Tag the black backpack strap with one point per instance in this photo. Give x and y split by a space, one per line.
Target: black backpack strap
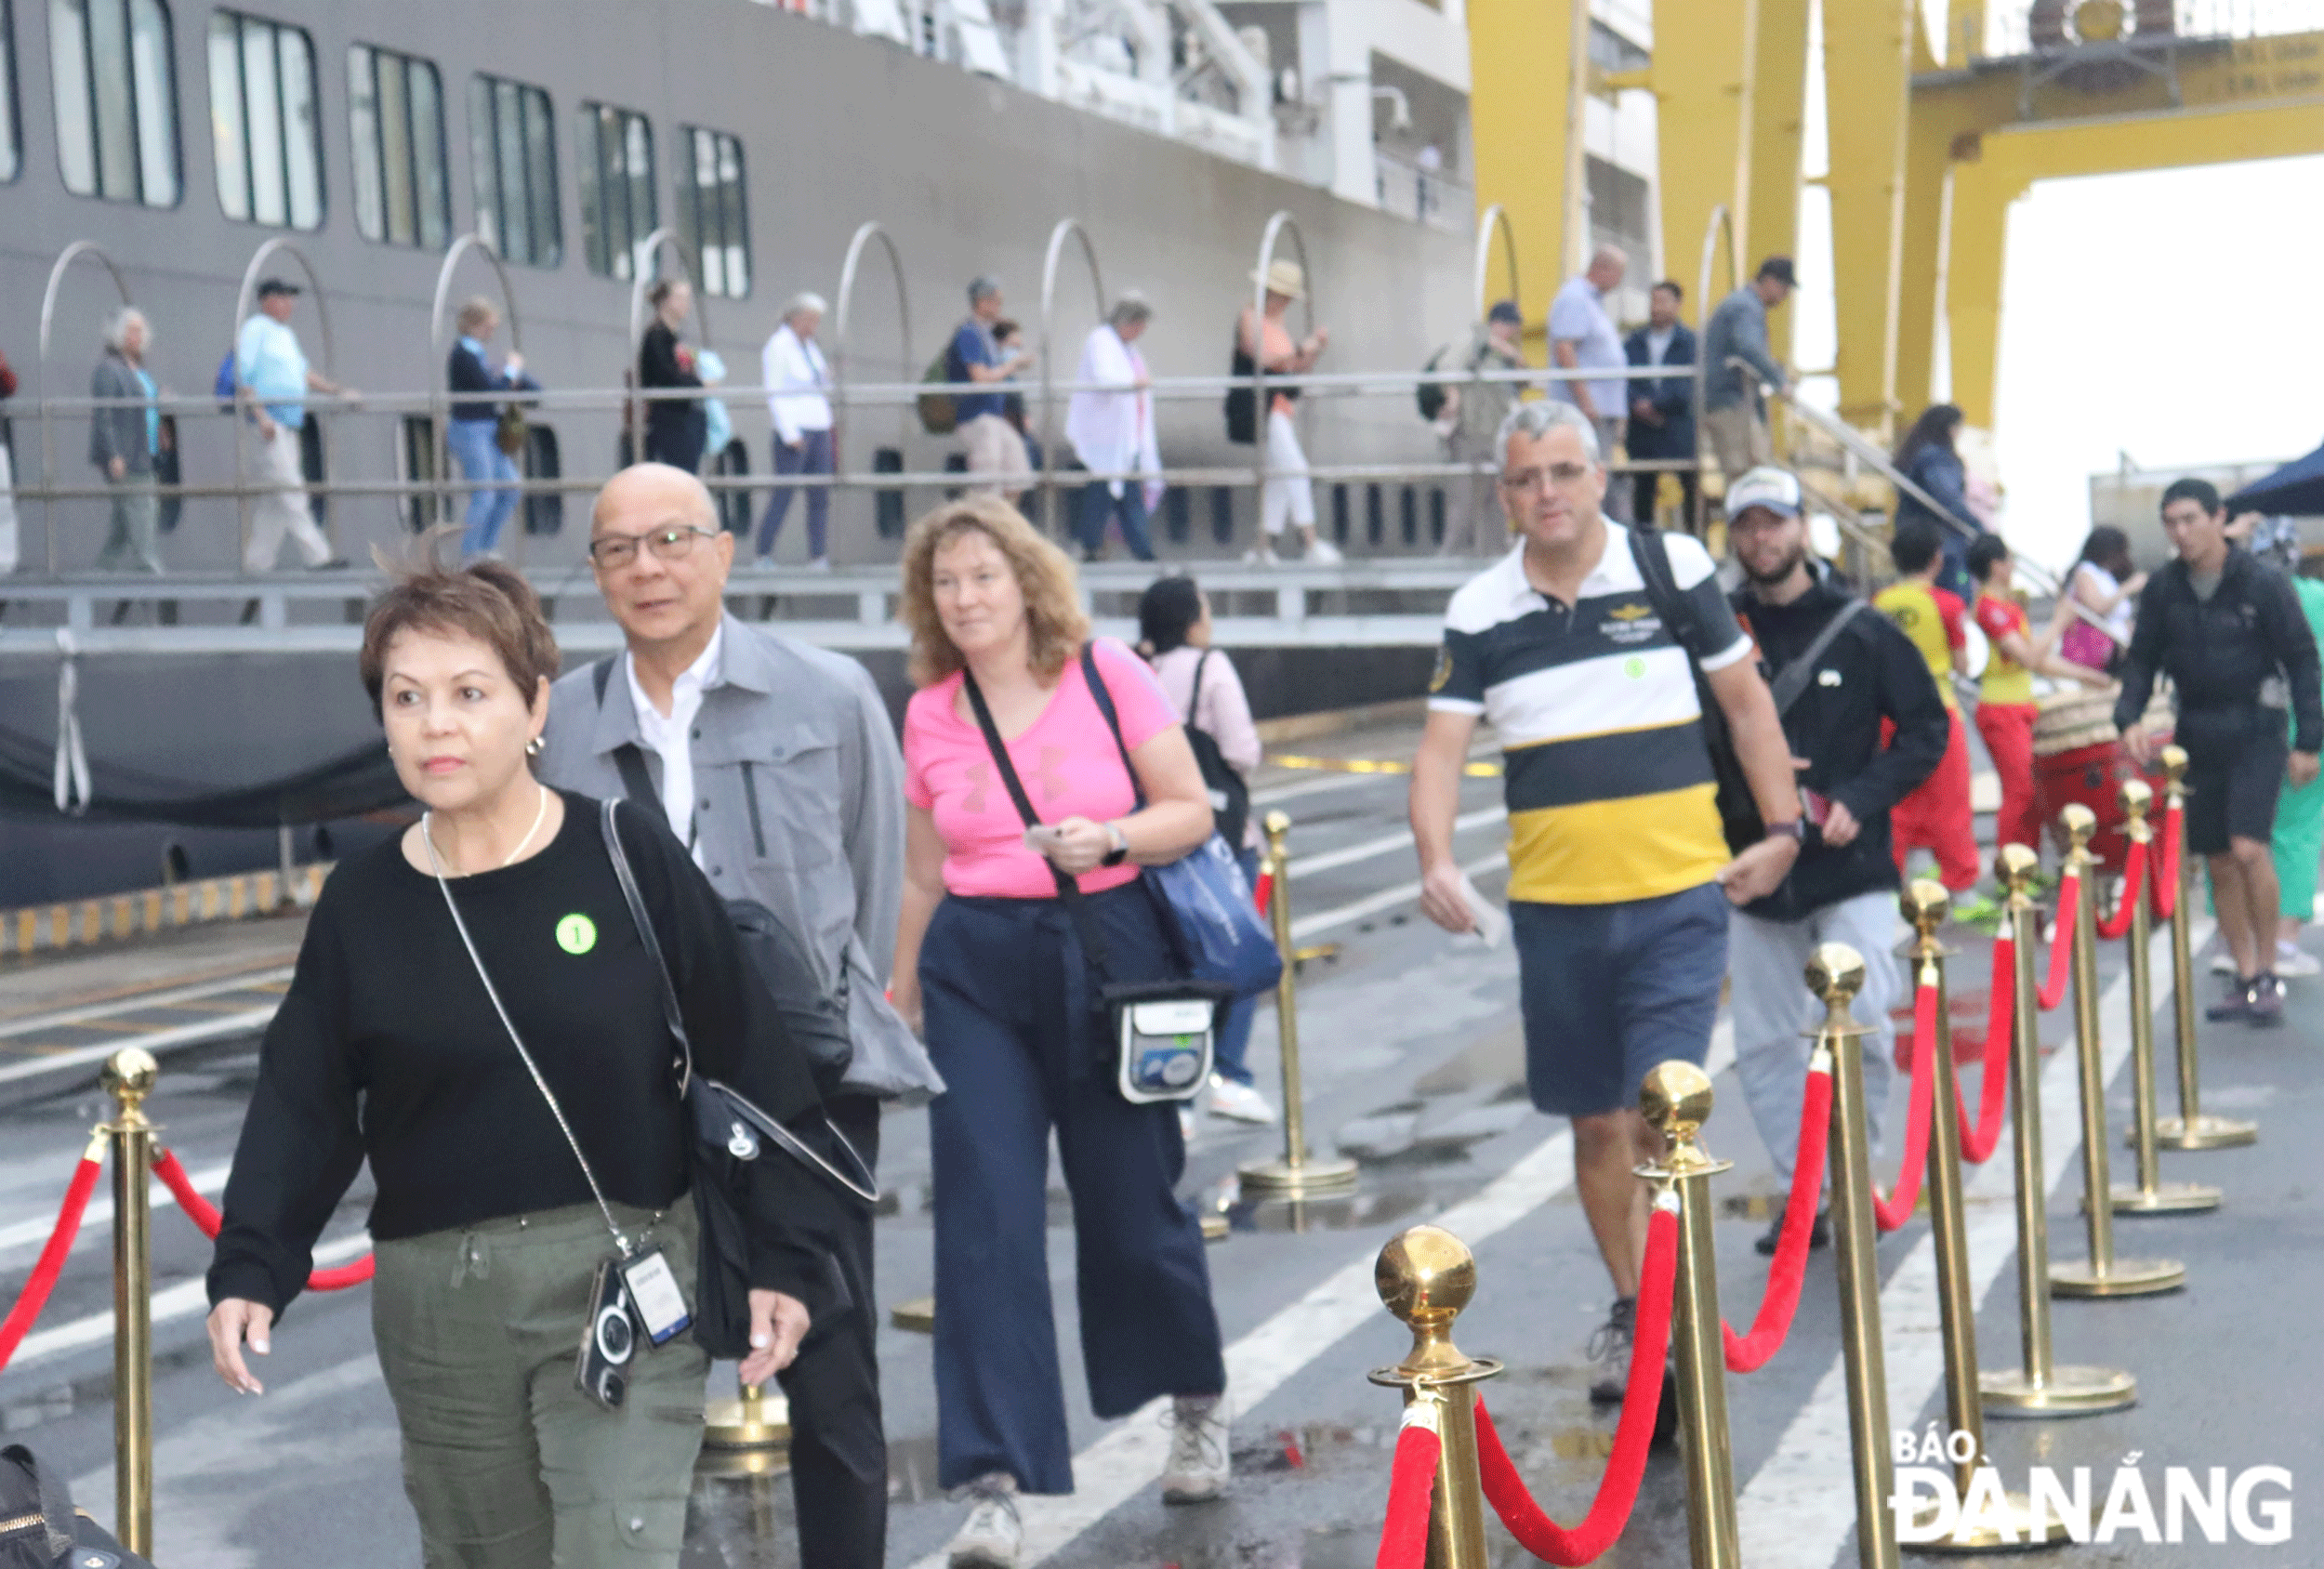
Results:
637 782
1068 889
1652 553
1790 682
1194 700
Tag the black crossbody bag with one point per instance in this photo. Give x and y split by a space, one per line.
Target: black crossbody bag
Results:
1164 1032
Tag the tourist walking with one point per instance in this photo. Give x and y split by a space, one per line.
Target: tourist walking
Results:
798 380
1662 411
485 422
1470 421
989 959
125 438
981 419
272 380
675 429
1110 425
1286 499
1734 410
1582 336
1929 455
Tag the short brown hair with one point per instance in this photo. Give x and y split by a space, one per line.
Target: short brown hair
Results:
484 600
1054 622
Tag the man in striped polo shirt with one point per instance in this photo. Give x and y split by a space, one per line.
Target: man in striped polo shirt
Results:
1620 875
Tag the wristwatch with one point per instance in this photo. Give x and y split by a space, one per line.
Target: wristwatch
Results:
1795 830
1120 852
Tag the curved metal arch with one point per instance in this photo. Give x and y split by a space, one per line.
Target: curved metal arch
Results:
850 267
1050 260
65 258
1276 224
650 252
1496 219
439 396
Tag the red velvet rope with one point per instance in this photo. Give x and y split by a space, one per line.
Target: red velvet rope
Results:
2134 890
1262 892
1618 1490
2061 947
2167 865
1747 1354
1894 1210
207 1220
1980 1137
35 1293
1404 1534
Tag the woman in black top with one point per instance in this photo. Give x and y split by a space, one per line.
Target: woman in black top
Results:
675 428
488 1229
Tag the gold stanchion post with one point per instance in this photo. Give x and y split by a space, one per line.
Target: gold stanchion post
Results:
1926 904
2193 1128
1835 974
2150 1195
1676 1101
1426 1276
749 1435
128 1078
2040 1388
1296 1175
2102 1275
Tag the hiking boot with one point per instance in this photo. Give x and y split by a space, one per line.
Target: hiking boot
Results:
1609 1353
1200 1462
1818 1234
993 1535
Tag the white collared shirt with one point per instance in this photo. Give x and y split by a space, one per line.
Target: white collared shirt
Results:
795 377
668 736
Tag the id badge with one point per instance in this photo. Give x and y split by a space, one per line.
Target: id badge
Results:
654 1293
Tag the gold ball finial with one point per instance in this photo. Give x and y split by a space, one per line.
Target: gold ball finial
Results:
1675 1100
129 1075
1276 824
2015 867
1425 1276
2136 797
1925 903
2174 760
2079 823
1835 974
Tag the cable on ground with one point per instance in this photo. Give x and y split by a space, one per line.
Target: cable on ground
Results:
1618 1490
2134 890
1404 1534
207 1220
1747 1354
34 1296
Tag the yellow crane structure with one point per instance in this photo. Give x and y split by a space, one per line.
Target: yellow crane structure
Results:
1930 140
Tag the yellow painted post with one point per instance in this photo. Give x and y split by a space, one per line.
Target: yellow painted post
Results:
1778 116
1982 190
1704 63
1868 96
1520 66
1928 169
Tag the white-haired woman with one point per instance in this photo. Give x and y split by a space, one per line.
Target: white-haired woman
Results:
799 401
473 432
123 437
1109 423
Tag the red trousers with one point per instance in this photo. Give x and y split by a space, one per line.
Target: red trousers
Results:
1936 815
2007 728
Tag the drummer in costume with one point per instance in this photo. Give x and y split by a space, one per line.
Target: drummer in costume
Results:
2006 710
1936 814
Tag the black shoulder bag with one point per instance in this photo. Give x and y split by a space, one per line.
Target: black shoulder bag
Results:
41 1529
1230 795
1164 1031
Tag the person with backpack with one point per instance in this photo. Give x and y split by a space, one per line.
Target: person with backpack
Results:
1174 634
270 380
981 419
1842 677
1602 657
1468 415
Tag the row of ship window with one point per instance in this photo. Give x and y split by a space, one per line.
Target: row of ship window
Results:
114 90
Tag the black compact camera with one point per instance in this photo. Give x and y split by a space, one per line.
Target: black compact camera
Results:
609 1340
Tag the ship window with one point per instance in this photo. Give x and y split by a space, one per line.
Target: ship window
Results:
395 120
712 220
617 206
264 119
116 100
513 149
11 157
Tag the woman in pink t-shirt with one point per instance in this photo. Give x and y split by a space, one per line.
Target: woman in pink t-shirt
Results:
989 964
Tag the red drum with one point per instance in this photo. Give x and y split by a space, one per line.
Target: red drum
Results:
2079 756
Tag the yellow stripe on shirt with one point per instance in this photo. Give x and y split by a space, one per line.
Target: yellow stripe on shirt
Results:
1609 852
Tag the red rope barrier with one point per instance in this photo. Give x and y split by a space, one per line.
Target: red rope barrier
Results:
1981 1135
1618 1490
207 1220
1404 1534
1894 1210
52 1255
2134 890
1262 892
1747 1354
2062 945
2167 863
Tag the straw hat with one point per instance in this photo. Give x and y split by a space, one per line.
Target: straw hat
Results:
1287 278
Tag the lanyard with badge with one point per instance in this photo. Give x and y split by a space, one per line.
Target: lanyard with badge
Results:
637 1285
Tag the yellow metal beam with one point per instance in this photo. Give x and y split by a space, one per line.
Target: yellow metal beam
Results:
1867 93
1703 69
1928 166
1778 118
1975 250
1521 66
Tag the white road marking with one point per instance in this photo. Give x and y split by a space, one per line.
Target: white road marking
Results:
1386 899
1365 849
225 1027
26 1233
1131 1454
1800 1508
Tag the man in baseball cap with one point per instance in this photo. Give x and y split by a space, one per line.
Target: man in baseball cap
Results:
1839 671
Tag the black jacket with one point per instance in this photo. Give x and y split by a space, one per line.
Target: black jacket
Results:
1672 396
2220 654
1870 672
467 372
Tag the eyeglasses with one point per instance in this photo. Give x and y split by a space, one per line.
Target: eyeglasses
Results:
1559 474
613 551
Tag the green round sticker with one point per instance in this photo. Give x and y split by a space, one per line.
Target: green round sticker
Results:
1633 667
577 934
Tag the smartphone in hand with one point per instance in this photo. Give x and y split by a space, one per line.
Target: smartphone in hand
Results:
1043 837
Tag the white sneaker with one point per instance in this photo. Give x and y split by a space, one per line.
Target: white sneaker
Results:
2223 963
1230 1099
1200 1462
1262 556
1323 553
992 1537
821 564
1185 1122
2290 959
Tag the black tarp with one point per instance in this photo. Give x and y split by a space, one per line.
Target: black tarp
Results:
348 786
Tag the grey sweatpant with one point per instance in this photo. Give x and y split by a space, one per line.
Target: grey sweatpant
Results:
1767 989
508 1464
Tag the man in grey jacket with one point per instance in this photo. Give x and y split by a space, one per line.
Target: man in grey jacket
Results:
123 440
1735 416
775 763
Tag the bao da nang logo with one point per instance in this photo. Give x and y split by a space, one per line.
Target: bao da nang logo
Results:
2166 1504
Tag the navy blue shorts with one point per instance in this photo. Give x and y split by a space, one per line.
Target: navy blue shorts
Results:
1610 990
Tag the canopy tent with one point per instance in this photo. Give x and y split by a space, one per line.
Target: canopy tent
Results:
2296 490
